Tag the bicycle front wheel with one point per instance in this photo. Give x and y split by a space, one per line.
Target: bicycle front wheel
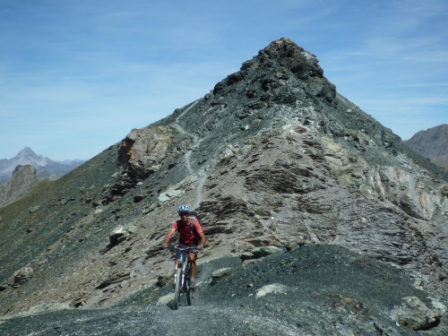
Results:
190 296
177 288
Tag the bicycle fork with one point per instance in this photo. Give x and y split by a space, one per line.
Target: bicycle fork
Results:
184 275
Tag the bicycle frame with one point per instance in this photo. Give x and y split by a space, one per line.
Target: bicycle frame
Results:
182 275
184 264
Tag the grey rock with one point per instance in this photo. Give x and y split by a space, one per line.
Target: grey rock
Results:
138 198
264 251
33 209
247 256
415 315
23 275
444 191
219 273
66 200
261 252
114 279
272 288
120 233
46 307
169 195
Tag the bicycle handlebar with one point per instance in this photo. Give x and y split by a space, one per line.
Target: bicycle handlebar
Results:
183 249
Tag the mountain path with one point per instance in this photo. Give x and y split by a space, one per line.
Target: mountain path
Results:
202 176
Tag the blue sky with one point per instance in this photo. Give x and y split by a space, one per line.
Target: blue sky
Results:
77 75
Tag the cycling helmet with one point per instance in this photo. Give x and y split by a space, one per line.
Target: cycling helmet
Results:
183 208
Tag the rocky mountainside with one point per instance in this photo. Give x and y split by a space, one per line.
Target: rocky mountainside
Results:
319 221
432 144
46 167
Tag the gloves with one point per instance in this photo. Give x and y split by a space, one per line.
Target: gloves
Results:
164 245
200 247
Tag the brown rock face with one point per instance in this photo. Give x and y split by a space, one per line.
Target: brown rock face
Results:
143 149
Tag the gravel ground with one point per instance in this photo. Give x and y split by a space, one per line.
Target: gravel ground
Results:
321 290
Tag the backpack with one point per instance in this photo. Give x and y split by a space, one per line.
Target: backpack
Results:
193 214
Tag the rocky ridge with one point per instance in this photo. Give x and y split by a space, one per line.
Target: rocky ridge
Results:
432 144
273 156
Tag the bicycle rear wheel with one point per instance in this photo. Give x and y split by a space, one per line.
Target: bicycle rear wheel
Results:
177 288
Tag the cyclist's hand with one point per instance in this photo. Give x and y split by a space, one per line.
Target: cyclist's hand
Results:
165 246
200 247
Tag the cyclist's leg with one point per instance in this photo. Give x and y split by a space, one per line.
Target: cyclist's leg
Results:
192 258
177 257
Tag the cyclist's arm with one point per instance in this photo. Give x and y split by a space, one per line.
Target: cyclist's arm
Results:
168 236
202 238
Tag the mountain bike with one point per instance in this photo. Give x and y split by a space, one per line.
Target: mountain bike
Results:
182 275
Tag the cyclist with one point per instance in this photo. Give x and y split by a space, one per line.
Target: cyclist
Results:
190 235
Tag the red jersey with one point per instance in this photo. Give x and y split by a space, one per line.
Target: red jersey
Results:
187 232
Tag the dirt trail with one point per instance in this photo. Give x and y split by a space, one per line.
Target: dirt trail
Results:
202 176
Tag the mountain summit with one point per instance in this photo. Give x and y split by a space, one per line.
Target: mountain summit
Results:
24 157
318 219
28 154
46 167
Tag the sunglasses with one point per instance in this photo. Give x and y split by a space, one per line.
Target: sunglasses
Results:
184 214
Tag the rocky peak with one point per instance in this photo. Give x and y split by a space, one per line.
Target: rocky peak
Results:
46 167
274 144
279 74
24 157
273 159
27 153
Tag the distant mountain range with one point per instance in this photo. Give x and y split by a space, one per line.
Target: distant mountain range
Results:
46 167
432 144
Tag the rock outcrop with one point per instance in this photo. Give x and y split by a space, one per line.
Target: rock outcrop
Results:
23 179
281 168
143 149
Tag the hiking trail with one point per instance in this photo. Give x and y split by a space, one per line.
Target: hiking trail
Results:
202 176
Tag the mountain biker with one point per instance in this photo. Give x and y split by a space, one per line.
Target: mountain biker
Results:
190 231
